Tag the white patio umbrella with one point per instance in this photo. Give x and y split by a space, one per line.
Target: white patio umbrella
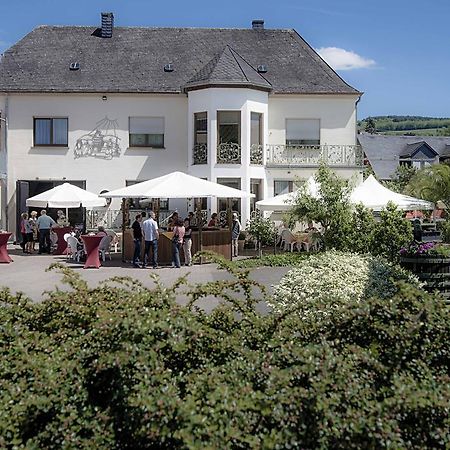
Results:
66 196
372 194
177 185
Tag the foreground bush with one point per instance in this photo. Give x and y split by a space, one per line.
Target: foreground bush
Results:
328 281
125 367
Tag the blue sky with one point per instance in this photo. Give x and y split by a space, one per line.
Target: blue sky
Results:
396 51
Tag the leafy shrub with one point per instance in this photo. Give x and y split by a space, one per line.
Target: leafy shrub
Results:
391 233
326 282
362 230
262 229
122 366
330 207
445 231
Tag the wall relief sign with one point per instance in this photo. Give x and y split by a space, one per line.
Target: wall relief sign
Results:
101 142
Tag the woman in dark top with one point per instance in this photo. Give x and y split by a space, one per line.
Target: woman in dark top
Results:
137 237
187 244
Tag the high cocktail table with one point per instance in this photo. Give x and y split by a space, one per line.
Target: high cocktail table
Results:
91 244
4 257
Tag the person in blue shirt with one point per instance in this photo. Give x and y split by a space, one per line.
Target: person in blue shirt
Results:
44 224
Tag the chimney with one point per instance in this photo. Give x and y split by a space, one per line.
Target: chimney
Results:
258 24
107 24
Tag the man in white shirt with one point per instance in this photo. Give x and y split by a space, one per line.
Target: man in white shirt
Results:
151 236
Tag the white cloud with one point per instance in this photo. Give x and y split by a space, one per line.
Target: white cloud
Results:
340 59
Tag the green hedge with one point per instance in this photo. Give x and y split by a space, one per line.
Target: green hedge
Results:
125 367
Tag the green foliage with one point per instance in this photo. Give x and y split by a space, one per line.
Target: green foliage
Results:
407 125
431 183
330 208
391 233
402 177
125 367
262 229
280 260
445 231
370 125
327 282
362 230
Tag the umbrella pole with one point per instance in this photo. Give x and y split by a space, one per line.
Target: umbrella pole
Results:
200 226
124 215
67 215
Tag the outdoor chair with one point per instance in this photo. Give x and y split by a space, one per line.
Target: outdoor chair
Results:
74 248
288 240
104 247
115 240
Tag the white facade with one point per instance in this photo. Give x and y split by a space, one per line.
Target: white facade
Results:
27 162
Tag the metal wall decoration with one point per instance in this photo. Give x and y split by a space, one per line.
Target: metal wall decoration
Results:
101 142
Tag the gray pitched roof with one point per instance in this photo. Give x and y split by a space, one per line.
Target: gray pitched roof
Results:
411 148
228 68
384 152
133 60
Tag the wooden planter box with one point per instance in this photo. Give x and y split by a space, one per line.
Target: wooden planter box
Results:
433 270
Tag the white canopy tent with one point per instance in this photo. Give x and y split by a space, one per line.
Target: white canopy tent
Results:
177 185
66 196
372 194
283 202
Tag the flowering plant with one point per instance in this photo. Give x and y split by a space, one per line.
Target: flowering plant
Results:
418 248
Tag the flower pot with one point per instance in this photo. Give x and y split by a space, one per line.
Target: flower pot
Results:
433 270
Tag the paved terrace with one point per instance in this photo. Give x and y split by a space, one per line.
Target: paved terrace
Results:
27 274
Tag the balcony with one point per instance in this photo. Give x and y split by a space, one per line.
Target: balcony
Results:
313 155
256 154
200 152
228 153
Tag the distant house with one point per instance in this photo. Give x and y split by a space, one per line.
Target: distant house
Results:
385 153
105 107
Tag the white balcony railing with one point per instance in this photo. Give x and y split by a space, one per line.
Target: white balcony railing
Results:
313 155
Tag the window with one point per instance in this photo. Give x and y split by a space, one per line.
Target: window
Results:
302 132
283 187
229 127
51 132
147 132
256 129
200 128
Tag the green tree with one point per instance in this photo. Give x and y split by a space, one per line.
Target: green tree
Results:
262 229
431 183
370 126
330 207
362 230
402 176
391 233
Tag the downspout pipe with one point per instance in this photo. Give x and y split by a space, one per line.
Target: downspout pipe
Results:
4 175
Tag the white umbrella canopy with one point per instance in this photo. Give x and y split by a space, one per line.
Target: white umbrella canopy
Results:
284 202
374 195
66 196
177 185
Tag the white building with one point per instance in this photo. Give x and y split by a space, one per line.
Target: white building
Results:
106 107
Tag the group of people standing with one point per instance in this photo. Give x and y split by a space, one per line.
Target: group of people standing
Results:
147 230
36 229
